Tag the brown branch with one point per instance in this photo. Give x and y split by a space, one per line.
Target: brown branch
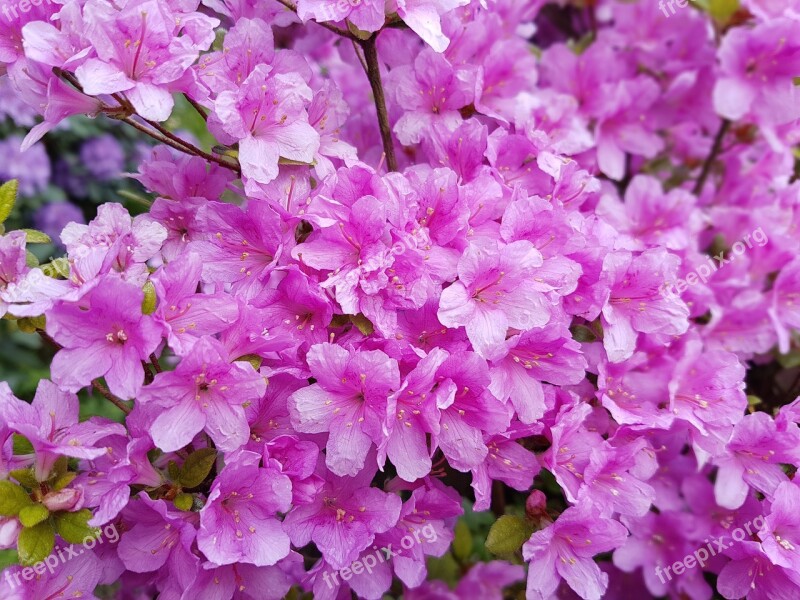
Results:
166 137
125 113
200 110
712 155
360 57
103 391
156 364
374 74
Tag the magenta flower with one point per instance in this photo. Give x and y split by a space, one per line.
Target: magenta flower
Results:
637 304
547 354
50 424
238 523
348 400
754 456
430 91
757 67
267 115
184 314
344 517
143 50
206 392
157 535
104 334
495 291
564 550
243 247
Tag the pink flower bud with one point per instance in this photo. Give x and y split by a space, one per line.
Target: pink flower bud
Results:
66 499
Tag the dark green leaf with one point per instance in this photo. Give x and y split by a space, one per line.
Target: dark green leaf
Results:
508 534
197 467
32 515
12 499
72 526
35 543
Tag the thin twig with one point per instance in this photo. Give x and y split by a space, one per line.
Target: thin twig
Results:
156 364
103 391
360 57
181 145
125 111
374 74
715 148
201 111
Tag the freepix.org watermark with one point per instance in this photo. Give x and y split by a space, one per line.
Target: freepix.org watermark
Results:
12 10
368 562
715 263
61 555
712 548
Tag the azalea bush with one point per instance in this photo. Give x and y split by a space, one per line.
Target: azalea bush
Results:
430 299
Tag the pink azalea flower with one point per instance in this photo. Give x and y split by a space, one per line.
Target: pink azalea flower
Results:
348 400
344 518
238 523
565 550
637 303
103 334
205 392
142 50
494 291
50 424
267 116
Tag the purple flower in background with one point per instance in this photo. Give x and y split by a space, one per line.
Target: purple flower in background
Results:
103 157
13 107
69 179
31 168
51 218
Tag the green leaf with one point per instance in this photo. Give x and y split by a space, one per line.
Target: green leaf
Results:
33 236
72 526
508 534
31 324
31 260
360 34
149 302
444 568
59 467
196 467
790 359
364 325
8 196
35 543
183 502
56 268
32 515
796 80
173 470
581 333
64 480
12 499
22 445
8 557
253 359
25 477
723 10
462 542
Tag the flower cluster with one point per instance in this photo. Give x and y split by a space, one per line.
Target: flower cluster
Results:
423 261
